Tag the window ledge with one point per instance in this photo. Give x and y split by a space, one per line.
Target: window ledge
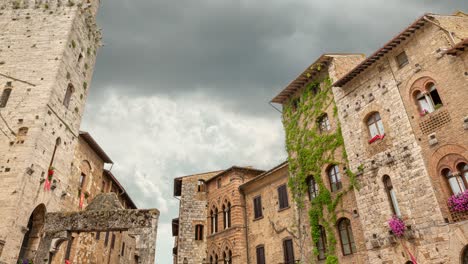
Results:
258 218
283 209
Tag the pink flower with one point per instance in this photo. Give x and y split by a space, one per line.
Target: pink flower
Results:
459 202
397 226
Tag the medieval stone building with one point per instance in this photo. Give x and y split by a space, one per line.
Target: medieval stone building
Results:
369 140
47 56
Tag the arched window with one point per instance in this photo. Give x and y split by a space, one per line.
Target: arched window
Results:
323 123
465 255
5 96
312 187
429 100
463 169
391 195
455 181
68 95
346 237
227 215
375 125
211 259
322 244
335 178
216 259
58 141
199 232
214 220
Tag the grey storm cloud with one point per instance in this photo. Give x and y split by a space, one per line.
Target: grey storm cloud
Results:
182 87
239 50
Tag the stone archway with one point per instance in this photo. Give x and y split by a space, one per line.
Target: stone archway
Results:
33 235
104 213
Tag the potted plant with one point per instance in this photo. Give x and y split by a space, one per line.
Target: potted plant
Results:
397 226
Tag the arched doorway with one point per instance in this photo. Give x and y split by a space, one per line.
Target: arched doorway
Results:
33 235
464 257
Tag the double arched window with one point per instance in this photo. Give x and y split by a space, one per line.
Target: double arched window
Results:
391 195
227 257
214 220
457 180
428 100
375 125
335 178
227 215
346 237
214 260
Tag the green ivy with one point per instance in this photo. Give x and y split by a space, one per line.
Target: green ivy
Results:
309 151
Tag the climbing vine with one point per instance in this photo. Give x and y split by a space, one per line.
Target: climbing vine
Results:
309 150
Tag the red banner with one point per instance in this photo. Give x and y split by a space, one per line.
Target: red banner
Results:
81 200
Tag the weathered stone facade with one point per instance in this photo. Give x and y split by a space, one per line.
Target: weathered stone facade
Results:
408 153
47 55
404 153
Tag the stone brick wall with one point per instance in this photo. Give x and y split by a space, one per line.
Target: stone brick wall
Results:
276 225
404 154
40 49
233 238
192 211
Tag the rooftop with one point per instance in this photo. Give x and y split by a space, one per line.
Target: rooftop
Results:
95 146
441 21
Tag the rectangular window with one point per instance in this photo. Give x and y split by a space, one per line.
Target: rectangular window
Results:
260 255
283 196
122 253
113 241
5 97
98 235
258 207
199 232
218 182
402 59
288 251
106 240
201 186
103 186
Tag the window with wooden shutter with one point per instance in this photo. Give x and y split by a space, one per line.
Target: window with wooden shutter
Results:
199 232
258 207
288 251
260 255
283 197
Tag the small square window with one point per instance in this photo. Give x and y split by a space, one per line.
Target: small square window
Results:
218 183
402 59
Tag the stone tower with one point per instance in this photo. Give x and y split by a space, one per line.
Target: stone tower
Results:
47 56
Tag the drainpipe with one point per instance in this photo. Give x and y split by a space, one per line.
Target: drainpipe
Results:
449 34
246 224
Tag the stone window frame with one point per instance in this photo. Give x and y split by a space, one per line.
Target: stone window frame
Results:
201 185
312 187
421 87
283 197
262 259
199 232
227 256
453 166
257 205
68 95
398 59
322 250
227 213
375 122
323 123
6 95
336 184
391 195
288 252
214 219
349 236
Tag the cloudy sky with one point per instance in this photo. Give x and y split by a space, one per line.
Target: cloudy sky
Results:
182 87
